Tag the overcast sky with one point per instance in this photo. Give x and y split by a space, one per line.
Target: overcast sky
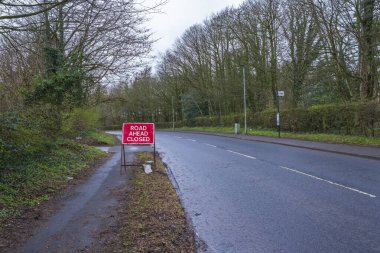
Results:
178 15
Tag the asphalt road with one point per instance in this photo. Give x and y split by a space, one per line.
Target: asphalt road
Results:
245 196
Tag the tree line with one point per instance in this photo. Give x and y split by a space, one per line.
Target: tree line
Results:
57 55
317 51
57 59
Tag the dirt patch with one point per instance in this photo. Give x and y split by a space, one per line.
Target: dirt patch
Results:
15 231
108 238
153 218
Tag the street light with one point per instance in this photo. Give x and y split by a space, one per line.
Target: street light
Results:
173 112
245 102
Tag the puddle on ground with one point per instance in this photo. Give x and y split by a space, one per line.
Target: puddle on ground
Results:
105 149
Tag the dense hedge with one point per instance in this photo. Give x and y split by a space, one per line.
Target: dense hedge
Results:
346 118
353 118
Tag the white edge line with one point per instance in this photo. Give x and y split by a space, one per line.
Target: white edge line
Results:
191 140
330 182
211 145
233 152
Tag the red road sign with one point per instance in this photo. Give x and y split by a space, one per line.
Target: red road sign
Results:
138 133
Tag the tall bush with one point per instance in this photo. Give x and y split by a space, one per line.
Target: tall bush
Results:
19 137
81 119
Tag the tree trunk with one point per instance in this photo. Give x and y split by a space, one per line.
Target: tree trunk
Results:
368 68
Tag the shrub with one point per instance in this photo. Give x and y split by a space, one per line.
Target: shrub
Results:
80 120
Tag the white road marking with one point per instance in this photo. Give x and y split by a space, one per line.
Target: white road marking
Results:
191 140
179 137
211 145
330 182
233 152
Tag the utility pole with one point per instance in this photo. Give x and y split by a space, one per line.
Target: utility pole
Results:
278 116
245 102
173 111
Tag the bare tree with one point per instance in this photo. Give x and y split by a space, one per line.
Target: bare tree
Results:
368 43
98 41
303 43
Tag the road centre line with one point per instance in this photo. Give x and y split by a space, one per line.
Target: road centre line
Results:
211 145
330 182
233 152
191 140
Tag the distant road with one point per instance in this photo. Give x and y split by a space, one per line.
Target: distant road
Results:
245 196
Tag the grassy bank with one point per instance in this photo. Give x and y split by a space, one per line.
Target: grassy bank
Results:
30 180
99 138
330 138
155 220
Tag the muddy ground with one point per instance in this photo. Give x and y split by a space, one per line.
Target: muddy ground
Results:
154 220
97 212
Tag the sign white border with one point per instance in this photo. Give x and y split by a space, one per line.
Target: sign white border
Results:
131 123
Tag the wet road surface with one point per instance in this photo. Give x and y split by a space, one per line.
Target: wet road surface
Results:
245 196
86 212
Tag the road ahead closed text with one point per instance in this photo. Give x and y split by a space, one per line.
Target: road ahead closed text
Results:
138 133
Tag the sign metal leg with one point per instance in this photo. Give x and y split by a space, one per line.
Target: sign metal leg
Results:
131 133
123 162
154 155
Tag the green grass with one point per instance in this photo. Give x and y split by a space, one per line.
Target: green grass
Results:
330 138
28 182
101 137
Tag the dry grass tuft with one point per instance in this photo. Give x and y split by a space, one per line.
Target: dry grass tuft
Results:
155 220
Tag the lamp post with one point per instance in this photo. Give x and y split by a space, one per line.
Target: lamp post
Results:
245 102
173 112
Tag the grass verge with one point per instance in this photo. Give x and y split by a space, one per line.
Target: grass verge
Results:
102 137
98 138
329 138
155 220
31 180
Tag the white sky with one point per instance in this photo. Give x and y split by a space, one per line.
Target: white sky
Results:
178 15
